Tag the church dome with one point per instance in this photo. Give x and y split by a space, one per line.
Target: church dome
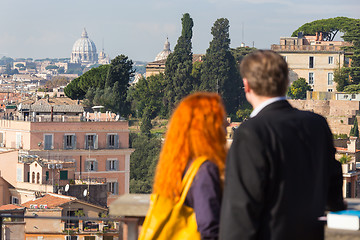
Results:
84 50
164 53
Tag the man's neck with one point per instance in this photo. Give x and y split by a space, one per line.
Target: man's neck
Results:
257 100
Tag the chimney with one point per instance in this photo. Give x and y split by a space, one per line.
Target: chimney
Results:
351 144
321 36
317 36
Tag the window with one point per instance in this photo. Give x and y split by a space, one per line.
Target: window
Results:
330 90
71 237
112 141
113 187
311 78
91 165
64 175
112 165
48 141
330 78
311 62
89 238
14 200
90 141
69 141
331 60
33 177
38 178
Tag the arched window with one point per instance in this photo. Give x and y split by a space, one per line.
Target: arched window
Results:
33 177
38 178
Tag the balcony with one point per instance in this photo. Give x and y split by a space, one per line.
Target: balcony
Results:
81 226
306 48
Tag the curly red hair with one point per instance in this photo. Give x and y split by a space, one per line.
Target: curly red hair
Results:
197 128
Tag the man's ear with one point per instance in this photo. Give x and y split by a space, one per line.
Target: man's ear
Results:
246 85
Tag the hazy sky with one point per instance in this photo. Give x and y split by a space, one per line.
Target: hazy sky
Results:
138 28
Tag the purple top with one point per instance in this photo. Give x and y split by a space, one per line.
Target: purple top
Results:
204 197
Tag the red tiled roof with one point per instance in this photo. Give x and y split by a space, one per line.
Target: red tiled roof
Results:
345 149
10 207
51 200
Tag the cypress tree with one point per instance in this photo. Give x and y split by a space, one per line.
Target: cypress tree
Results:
178 67
219 72
352 35
354 131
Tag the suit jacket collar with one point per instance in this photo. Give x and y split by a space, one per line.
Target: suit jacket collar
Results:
282 104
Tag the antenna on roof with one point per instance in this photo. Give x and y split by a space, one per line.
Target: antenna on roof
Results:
242 36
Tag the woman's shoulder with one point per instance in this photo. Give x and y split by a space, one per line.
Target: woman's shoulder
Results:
208 169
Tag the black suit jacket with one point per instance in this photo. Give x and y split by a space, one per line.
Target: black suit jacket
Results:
280 176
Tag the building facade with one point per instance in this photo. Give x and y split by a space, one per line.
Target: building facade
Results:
76 150
314 59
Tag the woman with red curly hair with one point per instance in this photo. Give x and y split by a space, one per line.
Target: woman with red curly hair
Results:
197 128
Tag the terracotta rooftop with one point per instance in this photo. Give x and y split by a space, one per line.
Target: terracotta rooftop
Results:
344 149
50 200
10 207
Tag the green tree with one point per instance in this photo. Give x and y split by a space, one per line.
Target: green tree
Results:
118 78
178 67
20 65
146 125
61 70
352 34
196 74
354 131
219 72
148 94
298 89
341 77
240 52
94 78
243 114
108 84
143 162
51 67
328 27
354 88
73 91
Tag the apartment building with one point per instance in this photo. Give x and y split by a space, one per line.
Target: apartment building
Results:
314 59
71 147
58 208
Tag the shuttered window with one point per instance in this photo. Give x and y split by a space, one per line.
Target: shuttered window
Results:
48 142
69 141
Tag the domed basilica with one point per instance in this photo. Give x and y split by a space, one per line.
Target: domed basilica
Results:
84 52
165 52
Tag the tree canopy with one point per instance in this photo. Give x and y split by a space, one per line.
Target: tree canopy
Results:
354 131
178 67
143 162
219 72
106 85
298 89
328 27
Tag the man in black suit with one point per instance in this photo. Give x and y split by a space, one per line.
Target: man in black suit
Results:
281 172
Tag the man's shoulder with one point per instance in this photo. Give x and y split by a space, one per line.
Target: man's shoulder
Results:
282 117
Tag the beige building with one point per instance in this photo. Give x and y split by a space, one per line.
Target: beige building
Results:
64 217
314 59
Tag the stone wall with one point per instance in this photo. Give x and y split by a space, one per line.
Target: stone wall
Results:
340 114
